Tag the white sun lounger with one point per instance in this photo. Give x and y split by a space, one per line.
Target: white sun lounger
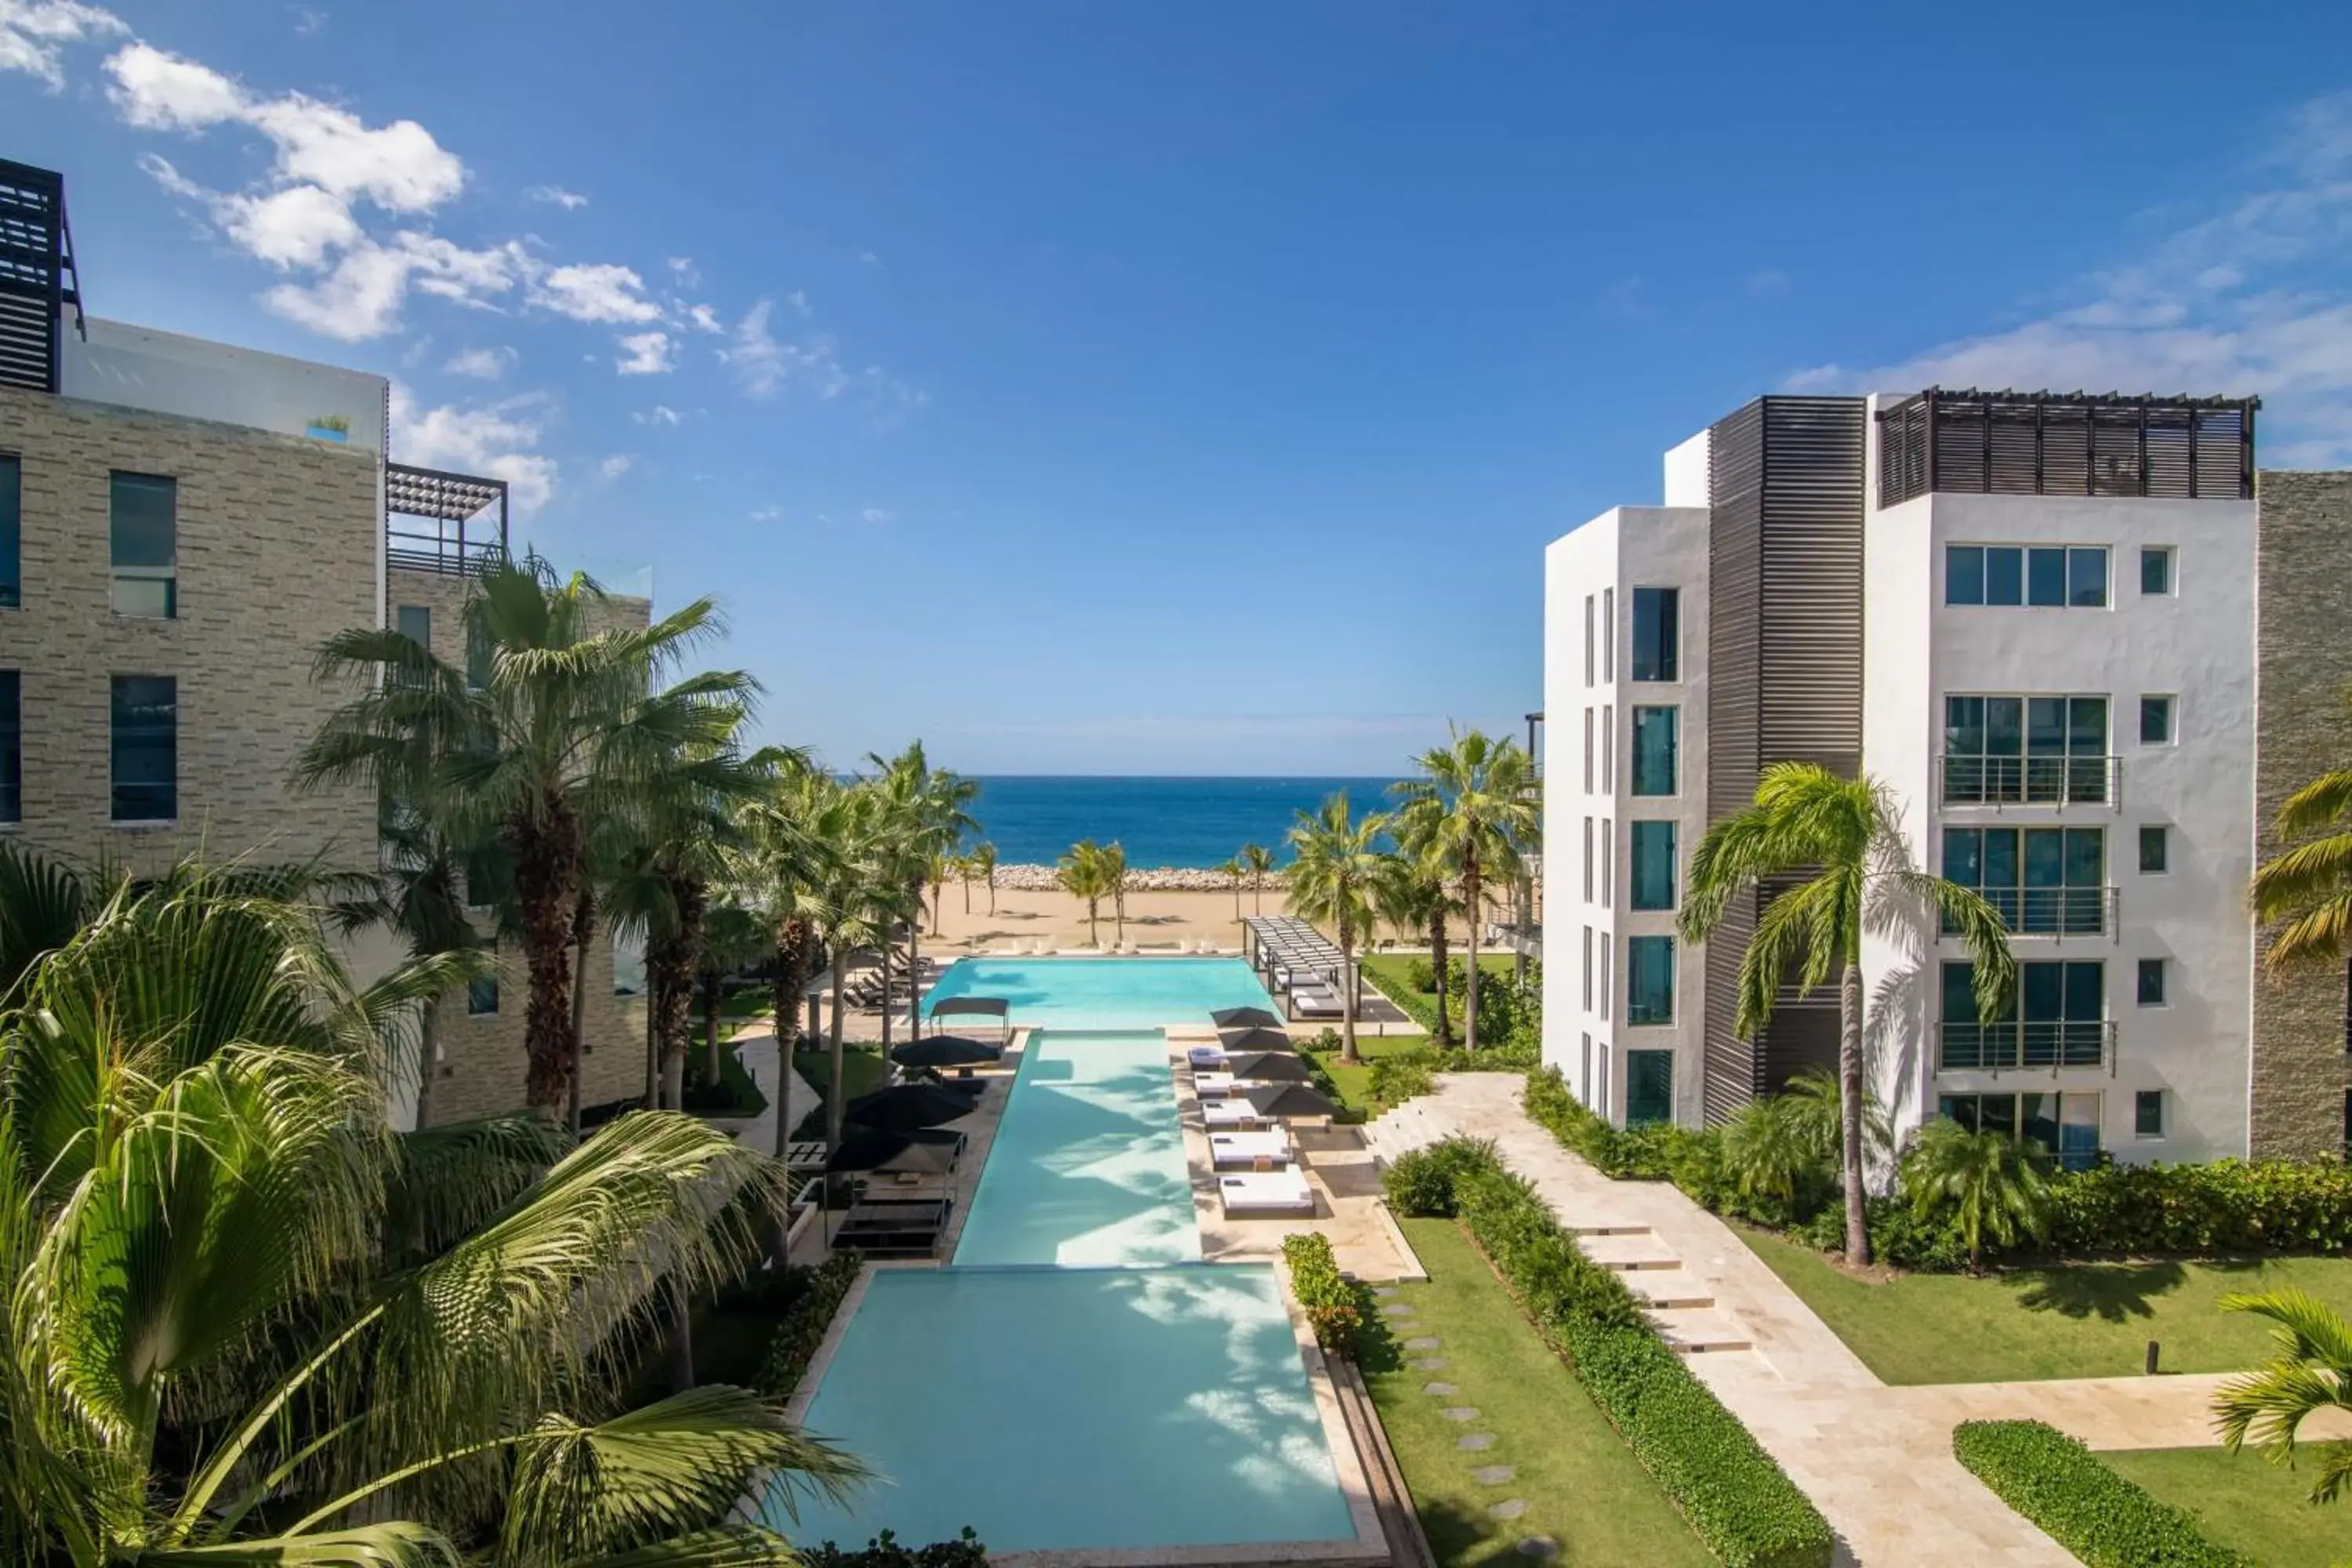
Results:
1241 1150
1212 1085
1265 1192
1230 1115
1211 1058
1315 1004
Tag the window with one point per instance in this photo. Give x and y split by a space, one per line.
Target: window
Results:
2154 850
146 744
1588 860
2147 1114
2046 881
1588 751
1587 969
1656 732
2064 1125
2048 576
2047 751
415 621
1608 748
482 995
1587 641
1608 633
1584 1074
1654 866
2155 569
2151 983
2155 720
143 525
1608 974
1608 861
1649 1087
1657 633
12 532
2058 1019
12 746
1649 980
478 657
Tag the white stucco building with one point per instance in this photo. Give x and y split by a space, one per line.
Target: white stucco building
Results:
2036 620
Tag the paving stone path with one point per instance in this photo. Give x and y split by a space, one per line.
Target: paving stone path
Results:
1510 1508
1543 1548
1493 1474
1422 1342
1439 1389
1476 1443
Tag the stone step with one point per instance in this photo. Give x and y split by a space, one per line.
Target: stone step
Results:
1625 1253
1606 1227
1668 1289
1696 1331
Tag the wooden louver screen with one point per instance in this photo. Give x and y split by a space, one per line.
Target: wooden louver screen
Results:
2010 443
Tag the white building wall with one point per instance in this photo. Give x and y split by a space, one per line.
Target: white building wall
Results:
1580 573
2195 645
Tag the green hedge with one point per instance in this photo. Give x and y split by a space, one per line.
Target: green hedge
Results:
1638 1153
1333 1303
884 1551
800 1329
2088 1508
1745 1510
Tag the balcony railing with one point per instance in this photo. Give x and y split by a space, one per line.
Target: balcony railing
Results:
436 521
2052 912
2030 1045
1502 938
2030 780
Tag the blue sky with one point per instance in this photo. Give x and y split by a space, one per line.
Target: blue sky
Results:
1183 389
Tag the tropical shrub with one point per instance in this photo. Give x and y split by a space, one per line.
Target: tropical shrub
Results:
1403 1075
1748 1511
2099 1516
1333 1303
1420 977
2226 1206
801 1329
884 1551
1989 1185
1637 1153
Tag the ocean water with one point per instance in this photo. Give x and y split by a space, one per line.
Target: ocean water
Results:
1184 822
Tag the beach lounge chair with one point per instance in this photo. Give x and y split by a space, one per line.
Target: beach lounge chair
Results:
1265 1192
1243 1151
1212 1085
1209 1057
1314 1004
1235 1115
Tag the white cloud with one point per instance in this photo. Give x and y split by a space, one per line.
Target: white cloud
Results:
877 515
658 414
762 363
705 319
309 22
33 34
613 467
646 353
301 225
497 439
683 266
556 195
483 364
2251 299
766 513
599 292
799 302
869 257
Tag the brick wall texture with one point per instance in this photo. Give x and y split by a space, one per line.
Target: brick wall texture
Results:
2305 729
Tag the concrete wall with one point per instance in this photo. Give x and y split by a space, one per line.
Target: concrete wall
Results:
2299 1075
277 543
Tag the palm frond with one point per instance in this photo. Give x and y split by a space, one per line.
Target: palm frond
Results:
2325 801
396 1544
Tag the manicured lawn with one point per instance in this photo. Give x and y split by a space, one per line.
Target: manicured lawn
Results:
2246 1502
1582 1486
863 1067
2083 1320
1354 1083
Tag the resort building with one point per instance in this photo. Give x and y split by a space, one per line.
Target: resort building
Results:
2076 638
182 524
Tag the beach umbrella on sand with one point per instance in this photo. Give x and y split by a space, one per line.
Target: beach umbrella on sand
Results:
1288 1099
1246 1019
930 1151
904 1107
1268 1067
945 1051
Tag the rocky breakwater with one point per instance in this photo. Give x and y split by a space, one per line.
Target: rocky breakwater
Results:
1164 880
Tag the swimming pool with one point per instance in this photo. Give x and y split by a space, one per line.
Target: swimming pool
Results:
1105 992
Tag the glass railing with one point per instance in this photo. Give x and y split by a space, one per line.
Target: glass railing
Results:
2014 1044
2030 780
2051 912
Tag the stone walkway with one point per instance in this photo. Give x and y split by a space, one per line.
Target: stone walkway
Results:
1401 1318
1876 1460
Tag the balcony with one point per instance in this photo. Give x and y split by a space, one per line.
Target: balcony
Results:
2030 781
2053 911
2028 1046
1501 938
454 524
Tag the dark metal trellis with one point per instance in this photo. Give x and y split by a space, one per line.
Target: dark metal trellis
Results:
458 538
2066 443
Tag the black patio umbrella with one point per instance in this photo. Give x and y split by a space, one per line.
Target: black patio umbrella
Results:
931 1150
1246 1019
945 1051
1288 1099
1268 1067
904 1107
1233 1040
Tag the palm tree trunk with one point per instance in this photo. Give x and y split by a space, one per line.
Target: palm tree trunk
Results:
1470 966
429 1053
583 927
1437 956
914 967
652 1095
791 976
1238 903
991 890
835 1101
1347 1052
1094 928
1857 1215
711 1029
547 864
886 992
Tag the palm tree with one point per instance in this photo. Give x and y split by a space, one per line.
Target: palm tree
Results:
1841 834
1257 860
558 734
2311 1372
1415 898
983 865
851 904
1083 875
1335 874
1474 813
1768 1154
1235 873
929 810
734 936
43 902
790 859
251 1325
1990 1182
1816 1108
1114 867
2309 886
960 867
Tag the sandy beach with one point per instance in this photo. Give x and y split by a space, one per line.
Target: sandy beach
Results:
1163 920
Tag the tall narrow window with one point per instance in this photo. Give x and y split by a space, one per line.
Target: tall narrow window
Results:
415 621
142 527
1609 748
2151 983
12 746
1587 969
1656 739
1608 974
2147 1114
1657 634
1649 1087
1654 866
1588 639
1608 861
1608 633
146 745
2155 569
12 532
2154 850
1589 758
482 995
1588 860
1649 980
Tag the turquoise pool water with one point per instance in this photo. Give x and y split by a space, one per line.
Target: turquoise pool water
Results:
1087 1170
1106 992
1077 1378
